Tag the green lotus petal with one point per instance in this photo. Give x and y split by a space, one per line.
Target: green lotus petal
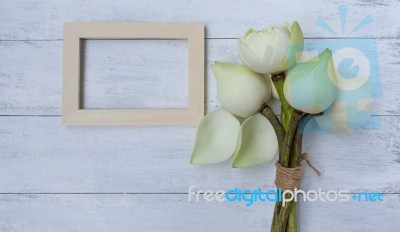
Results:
296 35
311 86
249 31
296 44
257 142
216 138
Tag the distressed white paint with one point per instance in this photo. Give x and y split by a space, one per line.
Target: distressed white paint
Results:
135 74
171 213
43 19
44 156
32 70
38 155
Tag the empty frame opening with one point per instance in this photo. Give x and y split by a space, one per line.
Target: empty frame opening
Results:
134 74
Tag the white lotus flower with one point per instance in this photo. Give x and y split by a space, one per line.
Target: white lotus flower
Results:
216 138
311 86
240 90
257 142
271 50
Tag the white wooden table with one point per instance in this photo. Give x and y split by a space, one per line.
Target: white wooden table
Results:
56 178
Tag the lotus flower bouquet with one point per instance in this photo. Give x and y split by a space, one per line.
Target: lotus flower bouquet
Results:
247 128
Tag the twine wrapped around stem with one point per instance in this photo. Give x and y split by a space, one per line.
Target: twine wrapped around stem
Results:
290 178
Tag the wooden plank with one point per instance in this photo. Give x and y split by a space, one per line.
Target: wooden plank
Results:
33 87
38 155
165 213
27 20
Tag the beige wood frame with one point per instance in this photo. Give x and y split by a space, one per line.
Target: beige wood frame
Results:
72 114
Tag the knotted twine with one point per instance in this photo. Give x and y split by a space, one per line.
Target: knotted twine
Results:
290 178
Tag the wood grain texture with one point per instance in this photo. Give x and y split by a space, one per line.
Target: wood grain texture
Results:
170 213
28 20
37 76
44 156
74 73
118 71
87 170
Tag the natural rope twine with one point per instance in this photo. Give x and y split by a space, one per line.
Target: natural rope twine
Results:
290 178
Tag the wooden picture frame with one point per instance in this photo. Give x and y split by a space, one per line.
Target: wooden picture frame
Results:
72 114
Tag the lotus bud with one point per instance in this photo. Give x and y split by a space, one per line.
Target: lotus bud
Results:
257 142
216 138
271 50
240 90
311 86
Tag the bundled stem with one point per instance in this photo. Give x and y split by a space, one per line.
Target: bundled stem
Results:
291 131
282 221
285 218
295 162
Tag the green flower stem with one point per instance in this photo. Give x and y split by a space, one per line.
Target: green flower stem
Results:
296 150
294 162
267 112
278 80
285 218
275 218
284 212
286 109
295 159
282 223
290 134
292 221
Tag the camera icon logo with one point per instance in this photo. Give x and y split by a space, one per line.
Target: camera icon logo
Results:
357 79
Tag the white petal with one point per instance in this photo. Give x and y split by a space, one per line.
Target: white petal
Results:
216 138
256 61
257 142
278 61
240 90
